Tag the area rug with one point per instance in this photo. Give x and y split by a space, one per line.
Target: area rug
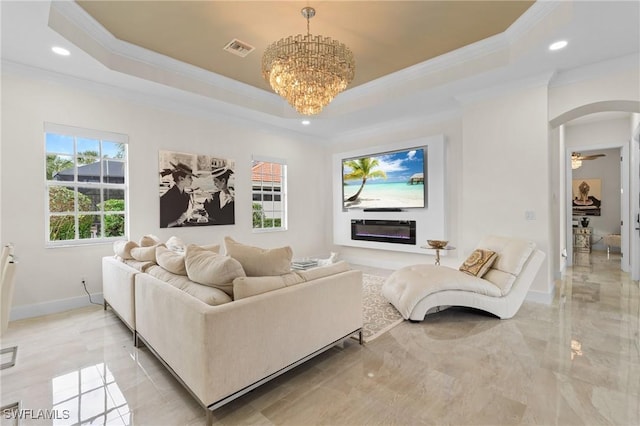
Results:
378 315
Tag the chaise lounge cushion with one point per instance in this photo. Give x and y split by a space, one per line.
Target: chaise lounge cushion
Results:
259 262
512 253
402 291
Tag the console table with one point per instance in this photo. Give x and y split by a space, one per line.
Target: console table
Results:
582 239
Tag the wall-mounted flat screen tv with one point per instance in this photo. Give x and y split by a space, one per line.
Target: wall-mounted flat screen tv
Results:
387 180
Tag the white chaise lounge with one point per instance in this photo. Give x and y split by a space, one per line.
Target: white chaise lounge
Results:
419 290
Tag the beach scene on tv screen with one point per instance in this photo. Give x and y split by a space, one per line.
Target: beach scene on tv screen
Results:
386 180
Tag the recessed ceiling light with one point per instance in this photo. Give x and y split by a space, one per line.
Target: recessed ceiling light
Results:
60 51
558 45
305 122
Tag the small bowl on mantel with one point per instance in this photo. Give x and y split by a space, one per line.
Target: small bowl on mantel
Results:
437 244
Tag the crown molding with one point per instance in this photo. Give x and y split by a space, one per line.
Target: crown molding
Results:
418 76
539 11
598 69
71 21
395 126
172 100
503 89
134 60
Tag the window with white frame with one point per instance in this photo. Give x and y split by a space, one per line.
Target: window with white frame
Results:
86 185
269 194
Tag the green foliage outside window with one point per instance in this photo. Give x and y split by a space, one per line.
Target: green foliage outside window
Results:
61 200
113 223
260 221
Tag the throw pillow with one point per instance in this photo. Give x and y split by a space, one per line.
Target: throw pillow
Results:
258 262
147 254
122 249
479 262
149 240
175 244
208 268
170 260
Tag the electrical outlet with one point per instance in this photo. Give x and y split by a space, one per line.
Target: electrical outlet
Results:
83 281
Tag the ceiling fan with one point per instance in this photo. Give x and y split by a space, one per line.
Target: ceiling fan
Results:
577 158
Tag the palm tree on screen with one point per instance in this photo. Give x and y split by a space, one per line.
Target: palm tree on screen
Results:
362 168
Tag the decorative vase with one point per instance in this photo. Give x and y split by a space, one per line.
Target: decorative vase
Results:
584 222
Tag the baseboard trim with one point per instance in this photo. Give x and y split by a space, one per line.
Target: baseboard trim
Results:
539 297
53 307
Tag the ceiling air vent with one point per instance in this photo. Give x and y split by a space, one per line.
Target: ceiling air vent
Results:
238 47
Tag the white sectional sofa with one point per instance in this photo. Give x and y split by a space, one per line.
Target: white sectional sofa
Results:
221 348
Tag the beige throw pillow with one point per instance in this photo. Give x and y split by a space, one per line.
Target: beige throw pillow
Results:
258 262
175 244
215 270
170 260
479 262
149 240
122 249
147 254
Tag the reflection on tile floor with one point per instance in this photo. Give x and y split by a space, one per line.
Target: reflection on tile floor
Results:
576 361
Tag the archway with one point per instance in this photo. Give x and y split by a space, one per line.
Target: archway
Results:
629 180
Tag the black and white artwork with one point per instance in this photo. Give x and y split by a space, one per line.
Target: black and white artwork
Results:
196 190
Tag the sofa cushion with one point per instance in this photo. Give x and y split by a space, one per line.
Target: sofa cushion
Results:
478 262
209 295
503 280
251 286
512 253
258 262
212 269
122 249
323 271
146 253
149 240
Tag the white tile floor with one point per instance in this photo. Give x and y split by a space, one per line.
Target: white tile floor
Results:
574 362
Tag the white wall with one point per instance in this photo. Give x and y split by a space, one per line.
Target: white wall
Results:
603 81
505 173
49 279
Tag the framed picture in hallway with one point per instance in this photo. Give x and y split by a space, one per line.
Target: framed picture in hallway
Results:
196 190
586 197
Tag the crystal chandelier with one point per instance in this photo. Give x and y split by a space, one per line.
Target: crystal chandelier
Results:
308 71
